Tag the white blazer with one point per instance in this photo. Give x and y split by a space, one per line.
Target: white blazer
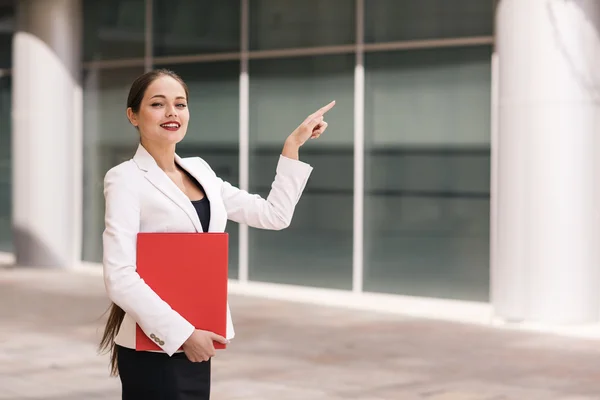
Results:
140 197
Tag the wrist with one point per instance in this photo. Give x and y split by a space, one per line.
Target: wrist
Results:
291 148
293 142
189 338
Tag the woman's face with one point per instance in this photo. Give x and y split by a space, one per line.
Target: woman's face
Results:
163 116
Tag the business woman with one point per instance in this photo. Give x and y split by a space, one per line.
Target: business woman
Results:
157 191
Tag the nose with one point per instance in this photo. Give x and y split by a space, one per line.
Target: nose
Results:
170 111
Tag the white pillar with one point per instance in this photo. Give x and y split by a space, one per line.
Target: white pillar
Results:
47 133
547 258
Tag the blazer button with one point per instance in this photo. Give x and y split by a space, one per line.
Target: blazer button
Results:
156 339
162 343
153 336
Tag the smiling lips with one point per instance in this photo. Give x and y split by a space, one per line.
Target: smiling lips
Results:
171 126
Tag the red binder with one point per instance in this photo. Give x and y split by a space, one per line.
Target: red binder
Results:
189 272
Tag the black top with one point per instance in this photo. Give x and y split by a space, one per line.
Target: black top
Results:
202 206
203 209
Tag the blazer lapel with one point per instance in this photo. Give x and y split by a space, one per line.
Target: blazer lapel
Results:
161 181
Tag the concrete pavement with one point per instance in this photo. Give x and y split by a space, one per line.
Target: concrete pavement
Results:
50 322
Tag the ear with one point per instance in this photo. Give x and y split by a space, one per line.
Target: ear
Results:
132 117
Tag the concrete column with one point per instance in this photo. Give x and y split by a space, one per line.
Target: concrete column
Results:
47 133
547 263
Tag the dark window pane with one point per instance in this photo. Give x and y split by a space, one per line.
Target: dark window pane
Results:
316 250
7 27
276 24
392 20
5 165
196 26
427 166
113 29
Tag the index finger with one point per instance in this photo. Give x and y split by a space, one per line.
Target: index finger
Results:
326 108
320 112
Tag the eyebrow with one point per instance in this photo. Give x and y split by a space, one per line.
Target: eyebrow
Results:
162 96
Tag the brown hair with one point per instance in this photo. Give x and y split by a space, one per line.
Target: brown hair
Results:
116 313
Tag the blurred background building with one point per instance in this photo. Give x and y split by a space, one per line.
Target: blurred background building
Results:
436 151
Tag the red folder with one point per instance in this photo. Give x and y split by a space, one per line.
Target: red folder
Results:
189 272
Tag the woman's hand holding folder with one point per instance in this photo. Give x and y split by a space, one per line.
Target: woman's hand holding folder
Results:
199 346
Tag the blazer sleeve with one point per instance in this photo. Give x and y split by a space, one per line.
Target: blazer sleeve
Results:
276 211
123 284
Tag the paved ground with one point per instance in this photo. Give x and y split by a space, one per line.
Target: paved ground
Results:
50 323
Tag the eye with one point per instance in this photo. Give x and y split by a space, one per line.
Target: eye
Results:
182 105
156 104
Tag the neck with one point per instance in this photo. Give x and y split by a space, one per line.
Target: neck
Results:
163 155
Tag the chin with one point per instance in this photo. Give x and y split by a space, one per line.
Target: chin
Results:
172 137
165 138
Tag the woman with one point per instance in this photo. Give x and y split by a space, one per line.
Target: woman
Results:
159 191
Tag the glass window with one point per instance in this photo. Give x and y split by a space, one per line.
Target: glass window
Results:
109 139
276 24
113 29
196 26
316 250
5 165
7 27
213 132
427 166
395 20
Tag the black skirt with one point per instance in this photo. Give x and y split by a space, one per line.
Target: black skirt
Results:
156 376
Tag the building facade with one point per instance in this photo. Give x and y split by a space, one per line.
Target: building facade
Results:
426 183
